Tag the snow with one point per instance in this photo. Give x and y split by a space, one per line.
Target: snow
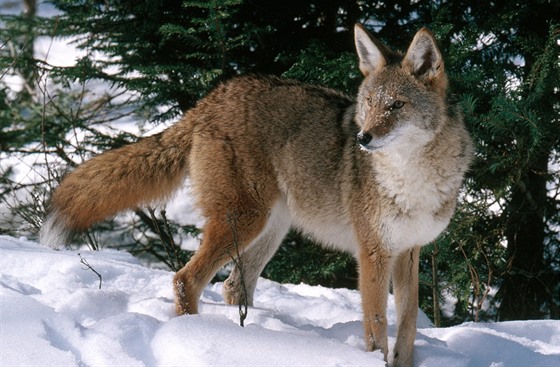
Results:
54 314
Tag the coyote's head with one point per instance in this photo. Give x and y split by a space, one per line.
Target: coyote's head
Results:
401 102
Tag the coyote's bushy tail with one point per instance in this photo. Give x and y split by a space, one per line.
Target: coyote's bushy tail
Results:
124 178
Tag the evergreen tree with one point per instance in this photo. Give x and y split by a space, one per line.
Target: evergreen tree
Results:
507 73
501 56
171 52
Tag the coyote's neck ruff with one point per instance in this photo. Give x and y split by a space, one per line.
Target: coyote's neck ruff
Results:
377 176
420 182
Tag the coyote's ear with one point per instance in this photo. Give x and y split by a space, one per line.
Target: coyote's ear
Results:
371 52
424 60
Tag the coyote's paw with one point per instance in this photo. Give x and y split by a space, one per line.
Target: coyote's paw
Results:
185 301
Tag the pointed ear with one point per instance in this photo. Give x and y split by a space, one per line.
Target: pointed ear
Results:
371 52
424 60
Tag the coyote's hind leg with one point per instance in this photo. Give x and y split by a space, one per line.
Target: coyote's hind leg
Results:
242 281
224 235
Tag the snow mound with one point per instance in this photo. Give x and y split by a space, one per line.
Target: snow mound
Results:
53 313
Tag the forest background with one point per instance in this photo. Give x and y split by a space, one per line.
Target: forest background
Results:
147 61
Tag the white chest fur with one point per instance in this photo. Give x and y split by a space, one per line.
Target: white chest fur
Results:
413 194
418 229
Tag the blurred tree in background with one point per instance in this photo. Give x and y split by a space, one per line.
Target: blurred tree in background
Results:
147 61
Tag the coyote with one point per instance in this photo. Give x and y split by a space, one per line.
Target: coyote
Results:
377 176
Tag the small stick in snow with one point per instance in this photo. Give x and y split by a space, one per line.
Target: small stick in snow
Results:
84 261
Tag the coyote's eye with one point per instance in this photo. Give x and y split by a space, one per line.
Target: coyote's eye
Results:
397 104
369 101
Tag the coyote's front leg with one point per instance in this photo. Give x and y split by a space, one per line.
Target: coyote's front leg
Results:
405 289
375 269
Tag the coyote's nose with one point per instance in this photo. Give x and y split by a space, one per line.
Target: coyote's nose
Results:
363 138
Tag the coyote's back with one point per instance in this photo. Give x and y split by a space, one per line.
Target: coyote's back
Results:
377 176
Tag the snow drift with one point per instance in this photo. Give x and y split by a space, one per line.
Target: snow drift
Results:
54 314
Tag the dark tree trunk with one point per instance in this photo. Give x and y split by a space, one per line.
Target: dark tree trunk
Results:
526 288
523 290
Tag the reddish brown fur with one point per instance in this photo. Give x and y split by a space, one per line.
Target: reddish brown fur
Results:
123 179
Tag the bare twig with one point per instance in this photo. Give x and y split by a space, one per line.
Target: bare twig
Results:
478 296
84 261
435 286
15 57
91 241
475 280
164 232
487 285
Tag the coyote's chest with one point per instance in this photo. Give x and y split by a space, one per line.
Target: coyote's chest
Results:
414 198
400 232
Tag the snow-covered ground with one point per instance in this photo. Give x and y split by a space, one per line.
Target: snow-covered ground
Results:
52 313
